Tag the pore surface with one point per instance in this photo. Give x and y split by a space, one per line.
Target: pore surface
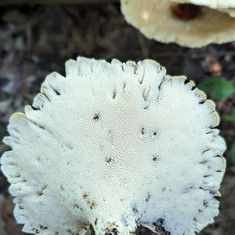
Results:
115 145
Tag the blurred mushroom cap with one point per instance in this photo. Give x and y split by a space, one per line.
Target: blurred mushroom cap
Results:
114 146
155 19
222 6
215 4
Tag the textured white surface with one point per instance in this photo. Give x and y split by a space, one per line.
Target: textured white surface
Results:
115 145
155 20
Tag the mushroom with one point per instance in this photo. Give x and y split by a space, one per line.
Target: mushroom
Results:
114 146
226 6
215 4
160 21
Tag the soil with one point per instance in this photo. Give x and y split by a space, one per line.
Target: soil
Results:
36 40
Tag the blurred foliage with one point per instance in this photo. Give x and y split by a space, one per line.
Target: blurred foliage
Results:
1 133
10 2
229 118
232 151
217 87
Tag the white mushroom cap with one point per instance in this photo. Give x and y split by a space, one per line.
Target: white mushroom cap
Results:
156 21
115 145
215 4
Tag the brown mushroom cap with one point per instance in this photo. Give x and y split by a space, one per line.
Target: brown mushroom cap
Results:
156 21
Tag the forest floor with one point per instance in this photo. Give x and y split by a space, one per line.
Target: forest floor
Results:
36 40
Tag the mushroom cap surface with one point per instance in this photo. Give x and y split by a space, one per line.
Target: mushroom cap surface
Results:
115 145
215 4
155 20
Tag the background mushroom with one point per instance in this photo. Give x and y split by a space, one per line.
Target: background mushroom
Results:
223 6
187 26
216 4
115 146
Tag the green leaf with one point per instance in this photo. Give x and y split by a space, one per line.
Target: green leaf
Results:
229 118
232 151
217 88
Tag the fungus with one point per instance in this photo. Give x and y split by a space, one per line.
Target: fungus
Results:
83 159
215 4
226 6
186 24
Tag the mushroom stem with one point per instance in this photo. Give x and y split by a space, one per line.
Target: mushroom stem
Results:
52 2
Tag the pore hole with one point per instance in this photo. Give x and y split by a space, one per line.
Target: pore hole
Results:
96 117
